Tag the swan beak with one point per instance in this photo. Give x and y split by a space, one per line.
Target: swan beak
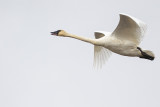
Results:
55 33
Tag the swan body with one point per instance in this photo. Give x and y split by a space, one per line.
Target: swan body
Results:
124 40
122 47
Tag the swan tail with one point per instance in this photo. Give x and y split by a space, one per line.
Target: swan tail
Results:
101 55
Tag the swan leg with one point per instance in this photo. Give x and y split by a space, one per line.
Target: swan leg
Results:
144 55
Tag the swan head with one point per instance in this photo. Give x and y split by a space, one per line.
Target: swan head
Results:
59 33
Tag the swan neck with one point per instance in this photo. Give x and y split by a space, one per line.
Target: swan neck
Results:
89 40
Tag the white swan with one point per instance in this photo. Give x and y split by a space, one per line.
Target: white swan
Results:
124 40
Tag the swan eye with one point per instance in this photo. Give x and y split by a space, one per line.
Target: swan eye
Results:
55 33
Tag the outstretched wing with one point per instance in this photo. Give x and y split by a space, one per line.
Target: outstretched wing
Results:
130 28
101 54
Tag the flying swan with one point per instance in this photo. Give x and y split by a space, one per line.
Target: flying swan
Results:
124 40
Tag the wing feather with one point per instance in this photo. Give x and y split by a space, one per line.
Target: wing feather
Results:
101 54
130 28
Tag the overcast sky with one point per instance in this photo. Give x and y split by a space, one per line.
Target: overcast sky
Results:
40 70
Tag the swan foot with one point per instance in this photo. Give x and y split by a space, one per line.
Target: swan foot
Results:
144 55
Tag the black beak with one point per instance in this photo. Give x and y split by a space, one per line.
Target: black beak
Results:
55 33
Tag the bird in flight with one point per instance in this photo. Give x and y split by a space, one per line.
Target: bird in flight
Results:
124 40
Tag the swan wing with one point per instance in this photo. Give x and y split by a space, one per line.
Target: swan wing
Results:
101 54
130 28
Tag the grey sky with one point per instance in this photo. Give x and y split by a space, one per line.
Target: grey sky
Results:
40 70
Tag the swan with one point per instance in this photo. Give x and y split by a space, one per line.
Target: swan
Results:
124 40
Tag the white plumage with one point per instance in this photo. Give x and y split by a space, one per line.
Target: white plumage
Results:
124 40
130 28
